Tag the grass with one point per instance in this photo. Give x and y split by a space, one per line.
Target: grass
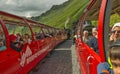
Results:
71 11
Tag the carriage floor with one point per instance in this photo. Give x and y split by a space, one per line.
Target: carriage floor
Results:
62 60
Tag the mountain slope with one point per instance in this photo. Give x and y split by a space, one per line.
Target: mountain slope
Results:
66 13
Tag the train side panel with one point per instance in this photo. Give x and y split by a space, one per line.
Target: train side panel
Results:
88 59
14 62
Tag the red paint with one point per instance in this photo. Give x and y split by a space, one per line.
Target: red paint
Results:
13 62
87 58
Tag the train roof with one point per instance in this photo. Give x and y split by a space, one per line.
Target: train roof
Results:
17 19
93 9
10 17
116 7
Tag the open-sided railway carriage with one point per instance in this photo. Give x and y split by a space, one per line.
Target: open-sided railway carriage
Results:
43 39
104 14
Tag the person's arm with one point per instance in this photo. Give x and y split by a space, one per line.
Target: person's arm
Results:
104 68
16 48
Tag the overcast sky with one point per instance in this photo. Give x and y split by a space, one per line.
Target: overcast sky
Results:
28 7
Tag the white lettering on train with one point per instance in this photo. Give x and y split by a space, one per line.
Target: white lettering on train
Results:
28 56
24 55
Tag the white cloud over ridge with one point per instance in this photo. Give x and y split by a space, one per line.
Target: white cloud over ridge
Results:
28 7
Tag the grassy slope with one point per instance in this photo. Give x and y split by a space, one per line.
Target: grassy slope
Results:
57 18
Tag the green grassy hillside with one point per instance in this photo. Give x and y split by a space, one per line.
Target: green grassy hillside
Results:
68 12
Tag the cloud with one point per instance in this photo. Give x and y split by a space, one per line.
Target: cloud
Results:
28 7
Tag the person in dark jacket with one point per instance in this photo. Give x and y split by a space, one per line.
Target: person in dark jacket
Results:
93 42
14 44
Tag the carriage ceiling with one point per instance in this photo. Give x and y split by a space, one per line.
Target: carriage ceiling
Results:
92 14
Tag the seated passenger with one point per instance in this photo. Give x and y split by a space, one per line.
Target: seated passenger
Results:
47 35
14 44
115 33
19 38
114 54
39 36
2 40
27 39
85 36
2 45
2 36
93 42
51 34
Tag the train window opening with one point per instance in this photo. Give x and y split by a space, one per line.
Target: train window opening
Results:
51 32
54 32
113 26
57 31
37 32
2 39
21 31
46 32
26 30
11 28
90 31
90 27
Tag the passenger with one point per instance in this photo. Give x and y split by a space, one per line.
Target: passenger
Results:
14 44
85 36
114 54
27 39
115 36
1 34
76 35
93 42
52 34
2 40
2 45
47 35
19 38
60 33
39 36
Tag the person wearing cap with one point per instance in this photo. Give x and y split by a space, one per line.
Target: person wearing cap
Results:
114 54
115 33
14 44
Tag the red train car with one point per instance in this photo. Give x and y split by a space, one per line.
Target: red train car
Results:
101 13
41 39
